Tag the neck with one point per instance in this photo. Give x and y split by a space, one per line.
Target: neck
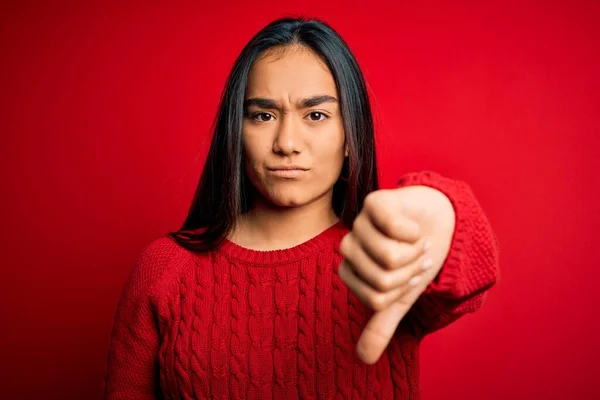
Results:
270 227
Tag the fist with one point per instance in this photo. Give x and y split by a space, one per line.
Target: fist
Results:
390 257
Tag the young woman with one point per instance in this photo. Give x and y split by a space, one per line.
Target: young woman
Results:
293 275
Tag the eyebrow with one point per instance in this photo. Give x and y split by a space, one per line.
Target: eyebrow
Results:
313 101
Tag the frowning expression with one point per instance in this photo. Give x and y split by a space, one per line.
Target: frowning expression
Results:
292 131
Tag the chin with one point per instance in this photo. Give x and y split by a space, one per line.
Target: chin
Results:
287 197
287 201
294 195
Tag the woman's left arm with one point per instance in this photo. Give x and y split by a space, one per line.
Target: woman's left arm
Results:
390 268
469 255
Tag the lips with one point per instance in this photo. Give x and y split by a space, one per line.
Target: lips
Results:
288 168
287 171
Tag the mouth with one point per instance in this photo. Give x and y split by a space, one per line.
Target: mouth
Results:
287 167
287 172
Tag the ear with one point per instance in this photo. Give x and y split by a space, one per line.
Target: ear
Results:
346 151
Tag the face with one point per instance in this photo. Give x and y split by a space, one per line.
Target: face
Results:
292 120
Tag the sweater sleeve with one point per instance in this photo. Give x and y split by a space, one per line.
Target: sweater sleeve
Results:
471 267
132 364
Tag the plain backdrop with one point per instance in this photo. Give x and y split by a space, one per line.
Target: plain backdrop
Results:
105 124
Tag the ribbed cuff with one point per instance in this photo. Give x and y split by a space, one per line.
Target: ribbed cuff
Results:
448 283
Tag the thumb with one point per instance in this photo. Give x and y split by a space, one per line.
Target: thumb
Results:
379 331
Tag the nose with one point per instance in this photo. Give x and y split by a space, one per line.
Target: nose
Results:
288 139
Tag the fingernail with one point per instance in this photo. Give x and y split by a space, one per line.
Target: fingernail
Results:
414 280
427 263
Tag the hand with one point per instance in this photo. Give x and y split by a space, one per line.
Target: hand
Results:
396 247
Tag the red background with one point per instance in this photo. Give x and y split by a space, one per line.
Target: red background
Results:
105 127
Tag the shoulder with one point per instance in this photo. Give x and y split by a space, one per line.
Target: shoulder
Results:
155 253
157 260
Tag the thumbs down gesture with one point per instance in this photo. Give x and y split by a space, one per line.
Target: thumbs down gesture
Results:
397 246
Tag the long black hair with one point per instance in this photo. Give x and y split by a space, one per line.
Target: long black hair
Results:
225 191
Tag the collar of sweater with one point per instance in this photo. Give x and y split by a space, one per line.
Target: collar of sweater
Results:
267 258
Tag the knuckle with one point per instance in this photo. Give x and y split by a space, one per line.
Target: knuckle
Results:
370 199
395 225
393 259
345 244
383 282
358 222
377 301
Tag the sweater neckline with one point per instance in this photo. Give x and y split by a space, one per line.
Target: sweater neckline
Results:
268 258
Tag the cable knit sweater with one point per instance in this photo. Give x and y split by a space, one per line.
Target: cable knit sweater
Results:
248 324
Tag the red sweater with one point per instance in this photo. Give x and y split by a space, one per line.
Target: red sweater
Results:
249 324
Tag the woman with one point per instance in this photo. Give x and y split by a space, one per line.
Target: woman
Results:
293 275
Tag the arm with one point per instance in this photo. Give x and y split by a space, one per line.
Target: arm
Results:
132 366
471 265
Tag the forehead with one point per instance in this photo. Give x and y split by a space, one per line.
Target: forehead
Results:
293 71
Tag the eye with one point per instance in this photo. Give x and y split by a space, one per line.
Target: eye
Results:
262 117
316 116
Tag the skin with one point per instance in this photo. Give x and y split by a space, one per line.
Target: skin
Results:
288 132
387 261
387 264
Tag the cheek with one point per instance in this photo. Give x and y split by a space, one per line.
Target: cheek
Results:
330 159
253 163
253 153
334 168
